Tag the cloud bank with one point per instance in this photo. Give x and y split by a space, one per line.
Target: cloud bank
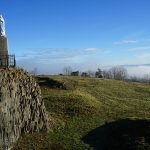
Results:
122 42
140 48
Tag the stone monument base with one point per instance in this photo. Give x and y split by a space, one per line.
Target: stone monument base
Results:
3 52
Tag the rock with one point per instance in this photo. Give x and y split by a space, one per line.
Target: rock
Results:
22 109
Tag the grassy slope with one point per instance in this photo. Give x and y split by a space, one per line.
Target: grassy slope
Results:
93 104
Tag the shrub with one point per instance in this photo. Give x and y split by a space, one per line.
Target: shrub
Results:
70 84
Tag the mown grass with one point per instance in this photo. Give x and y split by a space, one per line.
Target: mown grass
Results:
91 104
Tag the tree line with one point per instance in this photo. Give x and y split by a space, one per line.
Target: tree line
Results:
116 73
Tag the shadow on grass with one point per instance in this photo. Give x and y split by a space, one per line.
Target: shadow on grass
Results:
120 135
47 82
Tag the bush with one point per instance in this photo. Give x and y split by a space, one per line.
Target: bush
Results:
70 84
58 146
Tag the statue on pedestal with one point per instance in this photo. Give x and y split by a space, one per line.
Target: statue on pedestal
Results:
2 26
6 60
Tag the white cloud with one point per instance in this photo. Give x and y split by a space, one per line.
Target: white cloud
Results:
55 58
91 49
140 48
125 42
145 56
58 53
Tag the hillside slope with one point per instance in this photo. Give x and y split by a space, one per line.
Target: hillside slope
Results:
88 111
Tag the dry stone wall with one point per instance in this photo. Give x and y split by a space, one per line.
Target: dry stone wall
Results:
22 109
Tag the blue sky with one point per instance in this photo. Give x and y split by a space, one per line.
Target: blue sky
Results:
84 34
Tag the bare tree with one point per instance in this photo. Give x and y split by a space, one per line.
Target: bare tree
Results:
119 73
34 71
91 73
67 70
134 78
107 74
146 78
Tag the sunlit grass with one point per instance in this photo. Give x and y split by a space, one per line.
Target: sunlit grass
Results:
94 102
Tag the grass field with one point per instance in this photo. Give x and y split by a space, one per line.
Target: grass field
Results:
90 113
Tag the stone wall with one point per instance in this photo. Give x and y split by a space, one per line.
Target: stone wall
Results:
22 109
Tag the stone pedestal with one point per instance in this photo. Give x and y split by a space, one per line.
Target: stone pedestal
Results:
3 52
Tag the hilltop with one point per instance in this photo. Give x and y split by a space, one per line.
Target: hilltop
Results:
87 113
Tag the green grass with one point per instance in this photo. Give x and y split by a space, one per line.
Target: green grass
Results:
92 104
